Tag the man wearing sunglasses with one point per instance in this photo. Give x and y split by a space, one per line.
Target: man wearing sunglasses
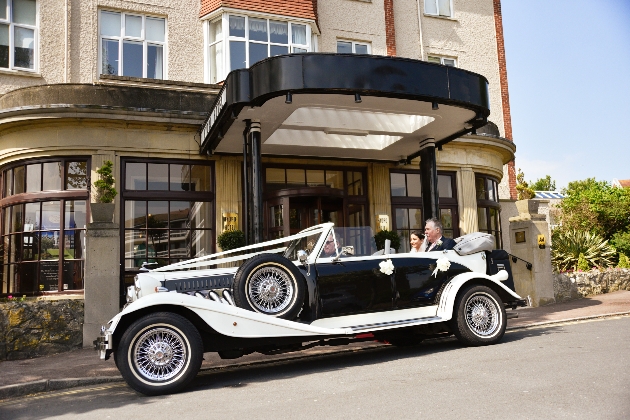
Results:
330 249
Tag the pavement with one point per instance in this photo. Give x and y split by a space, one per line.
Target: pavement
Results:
84 368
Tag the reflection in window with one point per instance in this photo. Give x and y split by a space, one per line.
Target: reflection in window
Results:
488 208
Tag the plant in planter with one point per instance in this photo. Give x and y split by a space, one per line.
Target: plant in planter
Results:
231 239
387 234
103 208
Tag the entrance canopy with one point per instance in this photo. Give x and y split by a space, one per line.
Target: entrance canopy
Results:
345 106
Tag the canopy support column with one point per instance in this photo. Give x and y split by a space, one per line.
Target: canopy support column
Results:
429 179
256 185
246 184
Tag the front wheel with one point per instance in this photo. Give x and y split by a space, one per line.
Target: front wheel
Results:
479 316
160 353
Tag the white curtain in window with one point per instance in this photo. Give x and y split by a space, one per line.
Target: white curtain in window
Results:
258 25
278 28
110 23
298 34
159 62
237 23
155 29
430 7
215 31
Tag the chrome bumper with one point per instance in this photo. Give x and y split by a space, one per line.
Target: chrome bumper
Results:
103 344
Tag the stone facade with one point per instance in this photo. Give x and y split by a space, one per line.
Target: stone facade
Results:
37 328
570 286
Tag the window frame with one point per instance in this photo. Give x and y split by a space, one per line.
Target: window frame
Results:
61 196
12 25
442 58
123 37
225 38
437 7
354 45
487 204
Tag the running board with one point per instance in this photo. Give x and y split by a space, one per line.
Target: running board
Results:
395 324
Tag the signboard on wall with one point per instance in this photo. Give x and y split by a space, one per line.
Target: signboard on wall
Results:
382 222
230 221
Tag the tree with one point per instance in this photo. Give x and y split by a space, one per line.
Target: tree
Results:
524 191
544 184
596 207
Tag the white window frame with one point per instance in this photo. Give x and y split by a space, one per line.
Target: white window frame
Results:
226 38
442 60
437 7
12 26
123 37
355 43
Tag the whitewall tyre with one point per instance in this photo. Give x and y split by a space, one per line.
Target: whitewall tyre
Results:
478 316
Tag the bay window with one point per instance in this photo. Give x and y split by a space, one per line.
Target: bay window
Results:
132 45
18 34
236 42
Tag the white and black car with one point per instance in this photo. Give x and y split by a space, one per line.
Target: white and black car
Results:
291 298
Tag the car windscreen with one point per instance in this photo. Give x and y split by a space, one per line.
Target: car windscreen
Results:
307 244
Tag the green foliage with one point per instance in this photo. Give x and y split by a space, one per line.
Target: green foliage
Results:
387 234
624 261
524 191
621 242
595 206
571 246
105 191
231 239
582 264
544 184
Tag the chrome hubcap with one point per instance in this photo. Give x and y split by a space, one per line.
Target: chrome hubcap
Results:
482 315
270 290
160 354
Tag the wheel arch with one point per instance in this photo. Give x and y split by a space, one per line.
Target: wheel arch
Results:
455 286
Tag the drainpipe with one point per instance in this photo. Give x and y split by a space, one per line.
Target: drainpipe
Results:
420 29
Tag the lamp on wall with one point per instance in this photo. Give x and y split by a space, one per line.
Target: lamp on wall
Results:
289 99
434 106
357 98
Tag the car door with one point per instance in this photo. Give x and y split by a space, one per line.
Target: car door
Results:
415 284
352 285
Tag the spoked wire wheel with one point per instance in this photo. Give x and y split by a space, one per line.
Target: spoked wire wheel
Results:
482 314
270 289
160 354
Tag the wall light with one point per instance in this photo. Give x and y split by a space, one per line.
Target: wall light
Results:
289 99
357 98
434 106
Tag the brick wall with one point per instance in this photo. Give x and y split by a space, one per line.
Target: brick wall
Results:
306 9
390 31
505 95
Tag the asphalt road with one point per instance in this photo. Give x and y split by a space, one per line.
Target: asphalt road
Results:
578 370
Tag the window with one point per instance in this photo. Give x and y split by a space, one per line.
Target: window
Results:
488 208
438 7
18 34
132 45
43 238
236 42
352 47
442 60
406 199
168 212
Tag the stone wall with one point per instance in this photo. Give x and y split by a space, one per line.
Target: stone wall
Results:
569 286
37 328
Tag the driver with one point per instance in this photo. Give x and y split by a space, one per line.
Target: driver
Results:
330 250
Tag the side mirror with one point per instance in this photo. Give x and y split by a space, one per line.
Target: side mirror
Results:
302 256
347 250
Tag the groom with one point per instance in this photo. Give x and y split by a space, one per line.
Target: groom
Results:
433 239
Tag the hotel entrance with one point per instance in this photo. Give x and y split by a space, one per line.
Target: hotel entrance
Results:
296 199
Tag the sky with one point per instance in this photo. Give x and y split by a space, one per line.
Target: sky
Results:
568 64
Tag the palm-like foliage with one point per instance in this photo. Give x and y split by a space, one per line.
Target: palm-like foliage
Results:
567 245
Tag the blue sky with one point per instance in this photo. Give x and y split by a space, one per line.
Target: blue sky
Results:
568 68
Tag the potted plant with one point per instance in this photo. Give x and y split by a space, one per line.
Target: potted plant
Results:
231 239
380 237
103 208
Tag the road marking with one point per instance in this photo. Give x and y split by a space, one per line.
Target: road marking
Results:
50 394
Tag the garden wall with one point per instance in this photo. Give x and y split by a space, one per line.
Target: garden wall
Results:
37 328
576 285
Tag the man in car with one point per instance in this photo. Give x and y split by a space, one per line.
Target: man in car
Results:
433 238
329 250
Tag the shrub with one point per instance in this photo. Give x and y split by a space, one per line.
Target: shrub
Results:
624 261
582 264
105 191
231 239
621 242
380 237
524 191
569 245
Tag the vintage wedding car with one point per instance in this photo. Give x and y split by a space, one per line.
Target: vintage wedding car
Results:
296 297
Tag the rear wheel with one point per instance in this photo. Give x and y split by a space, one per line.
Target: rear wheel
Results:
479 316
160 353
